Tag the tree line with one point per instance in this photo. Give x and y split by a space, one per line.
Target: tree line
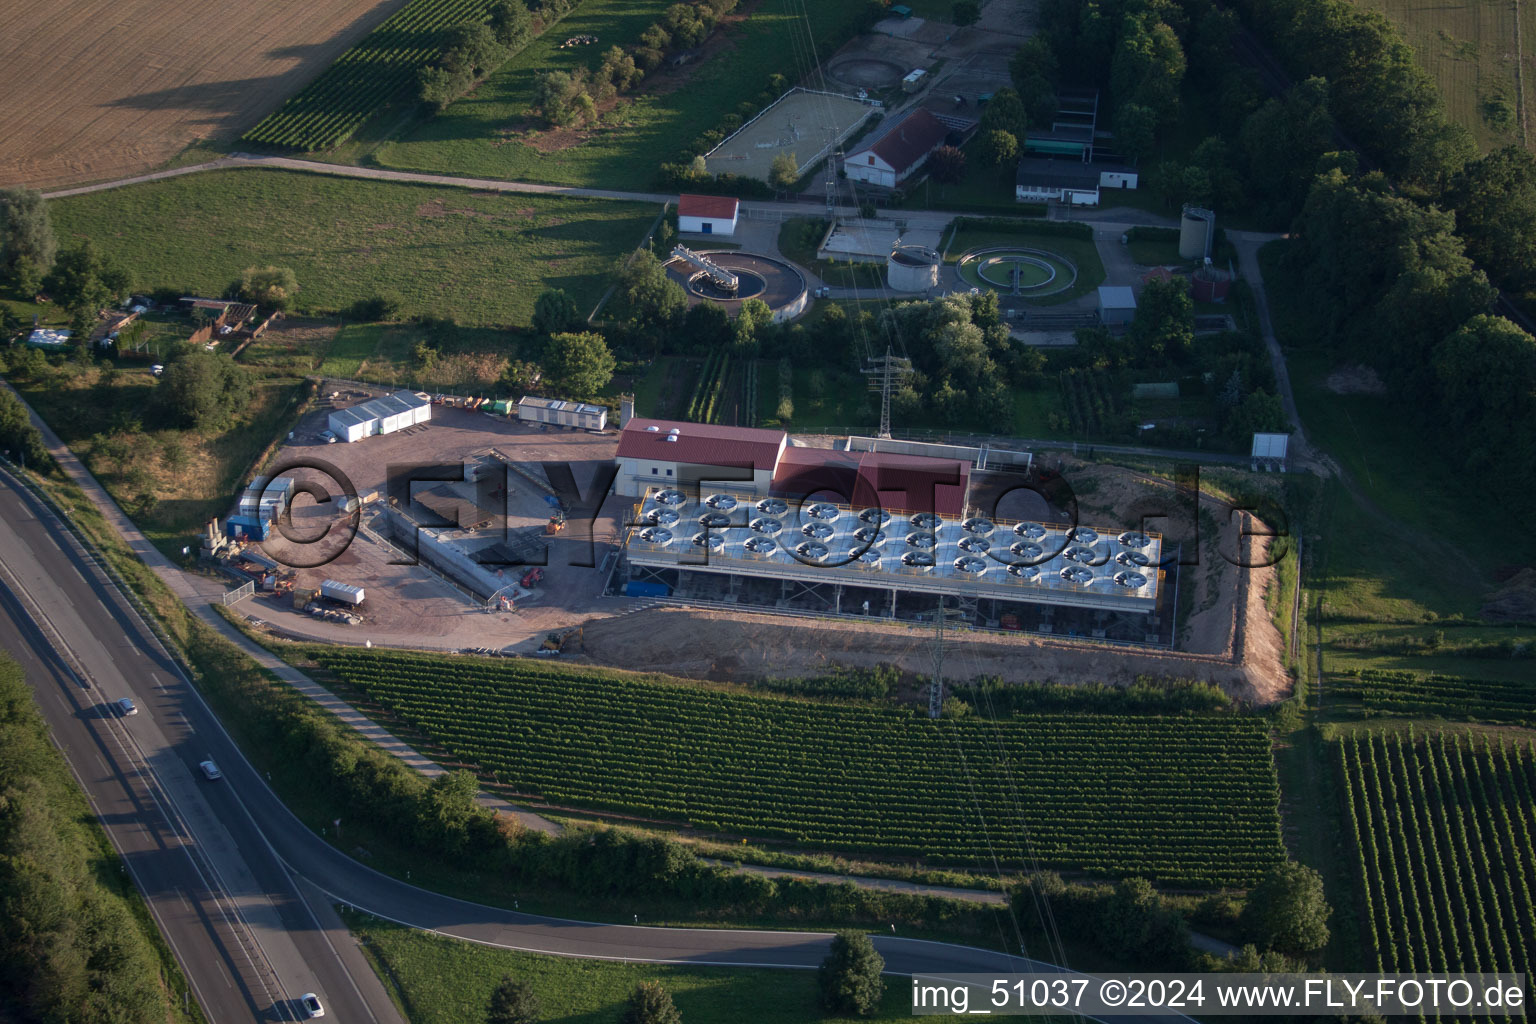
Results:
472 50
72 950
566 98
1400 231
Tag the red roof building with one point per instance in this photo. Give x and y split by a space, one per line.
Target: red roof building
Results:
897 152
663 453
707 215
907 483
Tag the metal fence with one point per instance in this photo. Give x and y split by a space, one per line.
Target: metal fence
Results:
239 593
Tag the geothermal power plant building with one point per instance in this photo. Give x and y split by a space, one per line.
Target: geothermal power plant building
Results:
740 517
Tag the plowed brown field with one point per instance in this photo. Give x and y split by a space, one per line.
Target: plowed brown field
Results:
98 89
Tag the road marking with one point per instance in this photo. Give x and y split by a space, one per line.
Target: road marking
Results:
158 682
181 894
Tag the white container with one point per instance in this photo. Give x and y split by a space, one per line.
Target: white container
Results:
344 592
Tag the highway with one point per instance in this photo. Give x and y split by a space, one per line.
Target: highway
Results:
248 940
241 889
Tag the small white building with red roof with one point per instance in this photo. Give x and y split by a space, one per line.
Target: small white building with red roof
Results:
707 215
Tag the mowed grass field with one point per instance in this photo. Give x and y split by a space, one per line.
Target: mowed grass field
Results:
492 132
436 980
481 259
98 89
1469 48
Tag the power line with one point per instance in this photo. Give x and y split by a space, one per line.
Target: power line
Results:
885 373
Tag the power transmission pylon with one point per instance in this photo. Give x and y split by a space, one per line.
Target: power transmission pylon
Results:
885 373
833 155
936 685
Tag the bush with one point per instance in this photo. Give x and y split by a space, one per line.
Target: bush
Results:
946 165
269 286
649 1003
384 306
850 975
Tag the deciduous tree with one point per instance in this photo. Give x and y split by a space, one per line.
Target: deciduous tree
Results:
27 245
201 390
578 365
850 975
273 287
783 172
1288 910
1495 203
1164 326
946 165
512 23
83 281
1005 112
554 311
999 148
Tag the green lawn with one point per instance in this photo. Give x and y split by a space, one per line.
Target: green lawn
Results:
826 400
1394 563
1033 409
436 980
985 187
1081 251
491 132
481 259
1155 252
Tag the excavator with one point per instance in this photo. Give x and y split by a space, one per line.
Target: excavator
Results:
555 643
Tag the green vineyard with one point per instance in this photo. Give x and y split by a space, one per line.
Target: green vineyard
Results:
1443 830
370 75
1413 693
1189 800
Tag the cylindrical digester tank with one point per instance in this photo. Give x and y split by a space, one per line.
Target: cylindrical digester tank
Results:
1194 227
1210 284
912 268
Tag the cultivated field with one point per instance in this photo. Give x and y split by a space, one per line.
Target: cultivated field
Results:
481 259
1442 834
800 123
96 89
1189 800
492 131
369 76
1470 49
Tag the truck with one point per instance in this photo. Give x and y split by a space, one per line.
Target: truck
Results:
343 592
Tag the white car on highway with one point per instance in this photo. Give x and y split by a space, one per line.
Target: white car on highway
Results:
311 1004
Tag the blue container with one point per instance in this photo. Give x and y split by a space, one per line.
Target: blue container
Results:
242 527
641 588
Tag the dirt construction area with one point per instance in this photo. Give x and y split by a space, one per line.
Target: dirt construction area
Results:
407 604
1225 634
97 90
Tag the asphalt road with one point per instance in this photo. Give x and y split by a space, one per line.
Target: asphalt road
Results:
234 916
235 880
